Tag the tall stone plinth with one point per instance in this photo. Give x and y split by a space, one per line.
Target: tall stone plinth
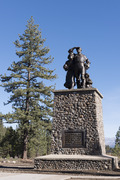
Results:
78 122
77 133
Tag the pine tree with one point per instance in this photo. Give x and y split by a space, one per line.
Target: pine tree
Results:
8 143
31 98
116 149
39 142
2 128
117 140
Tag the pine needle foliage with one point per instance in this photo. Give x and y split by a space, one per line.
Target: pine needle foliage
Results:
31 98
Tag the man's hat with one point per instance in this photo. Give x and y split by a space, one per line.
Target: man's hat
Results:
79 48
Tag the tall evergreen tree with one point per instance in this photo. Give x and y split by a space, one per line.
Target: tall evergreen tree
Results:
31 98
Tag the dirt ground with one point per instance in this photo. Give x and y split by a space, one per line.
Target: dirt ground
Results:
17 162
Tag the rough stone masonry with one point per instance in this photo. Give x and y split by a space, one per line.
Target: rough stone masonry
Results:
77 134
78 123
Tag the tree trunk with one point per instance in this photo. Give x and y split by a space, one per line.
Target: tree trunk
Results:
26 123
25 144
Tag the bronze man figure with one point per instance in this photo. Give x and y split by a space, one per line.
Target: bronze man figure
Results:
76 67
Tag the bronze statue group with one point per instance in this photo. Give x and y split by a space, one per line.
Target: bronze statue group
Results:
76 68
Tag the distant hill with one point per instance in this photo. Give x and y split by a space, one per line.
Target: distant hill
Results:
110 141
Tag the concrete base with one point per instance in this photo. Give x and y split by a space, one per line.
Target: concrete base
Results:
75 163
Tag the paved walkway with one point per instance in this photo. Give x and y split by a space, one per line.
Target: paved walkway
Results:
21 176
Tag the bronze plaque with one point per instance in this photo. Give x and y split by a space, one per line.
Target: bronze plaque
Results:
73 139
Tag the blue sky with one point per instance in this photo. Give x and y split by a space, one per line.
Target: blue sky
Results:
94 25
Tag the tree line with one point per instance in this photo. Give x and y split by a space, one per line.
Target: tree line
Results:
30 96
11 143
